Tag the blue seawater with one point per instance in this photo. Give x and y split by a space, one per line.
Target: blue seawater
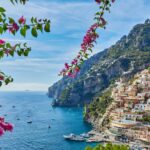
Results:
35 106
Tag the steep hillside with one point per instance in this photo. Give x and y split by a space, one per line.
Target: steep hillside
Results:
123 108
129 55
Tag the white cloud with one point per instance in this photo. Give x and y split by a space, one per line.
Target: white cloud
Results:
63 15
25 86
15 40
126 14
32 65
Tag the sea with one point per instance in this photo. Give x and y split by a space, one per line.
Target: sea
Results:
48 124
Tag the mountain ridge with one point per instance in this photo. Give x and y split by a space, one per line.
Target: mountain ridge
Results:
128 56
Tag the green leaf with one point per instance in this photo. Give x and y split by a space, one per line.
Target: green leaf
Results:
2 9
32 20
35 20
1 29
98 13
19 53
1 19
23 31
1 83
1 54
8 45
39 27
5 27
11 20
86 55
7 81
47 27
11 53
90 50
26 52
34 32
3 14
1 46
13 32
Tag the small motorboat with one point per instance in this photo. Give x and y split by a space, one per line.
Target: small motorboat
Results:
70 136
85 135
29 122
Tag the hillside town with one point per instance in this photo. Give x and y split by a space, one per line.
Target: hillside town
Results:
128 115
130 111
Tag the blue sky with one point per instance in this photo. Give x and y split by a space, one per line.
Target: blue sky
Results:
69 21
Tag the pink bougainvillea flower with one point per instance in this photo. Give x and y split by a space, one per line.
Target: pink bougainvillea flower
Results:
78 56
22 20
74 62
103 21
98 1
77 69
13 28
2 119
2 42
1 131
4 126
1 77
66 66
10 127
69 74
88 39
7 52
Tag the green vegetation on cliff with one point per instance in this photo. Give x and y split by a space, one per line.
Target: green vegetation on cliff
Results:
109 146
98 106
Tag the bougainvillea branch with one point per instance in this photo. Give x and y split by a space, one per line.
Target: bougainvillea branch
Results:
10 25
88 40
19 26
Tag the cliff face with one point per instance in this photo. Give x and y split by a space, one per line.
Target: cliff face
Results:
129 55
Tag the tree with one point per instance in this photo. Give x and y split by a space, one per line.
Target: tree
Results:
88 148
108 146
9 24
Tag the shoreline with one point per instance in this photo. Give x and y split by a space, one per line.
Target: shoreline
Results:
99 137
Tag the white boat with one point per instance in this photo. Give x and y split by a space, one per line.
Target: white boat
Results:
70 136
73 137
85 135
29 122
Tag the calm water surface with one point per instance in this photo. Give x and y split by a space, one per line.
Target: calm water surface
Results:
37 136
